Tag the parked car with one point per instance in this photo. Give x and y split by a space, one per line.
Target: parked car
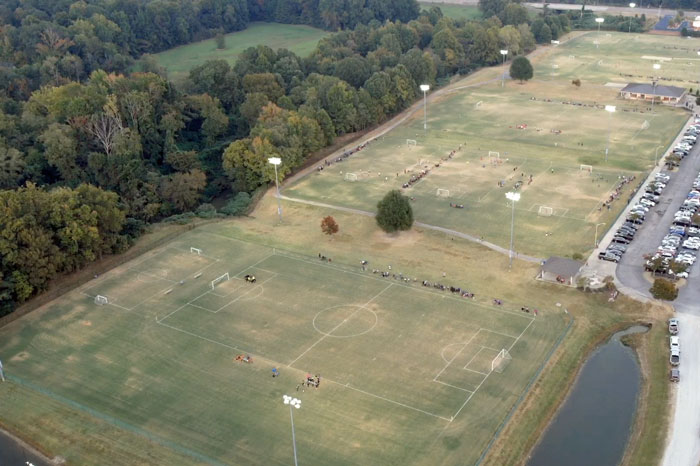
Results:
674 343
674 375
608 256
675 358
673 326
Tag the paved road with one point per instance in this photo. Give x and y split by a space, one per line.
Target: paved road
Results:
683 448
15 453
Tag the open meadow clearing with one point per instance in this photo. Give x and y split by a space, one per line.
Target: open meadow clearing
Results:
299 39
407 372
547 139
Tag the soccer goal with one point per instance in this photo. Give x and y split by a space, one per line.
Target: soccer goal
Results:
587 168
196 251
478 104
100 300
218 280
443 192
501 361
351 177
545 211
495 155
411 142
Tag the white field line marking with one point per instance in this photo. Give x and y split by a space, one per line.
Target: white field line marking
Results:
341 323
181 307
453 386
473 357
487 376
502 334
391 401
456 354
243 295
153 276
414 288
275 363
165 289
234 279
491 349
472 370
203 308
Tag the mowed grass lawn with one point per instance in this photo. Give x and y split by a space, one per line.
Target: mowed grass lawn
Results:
453 11
405 370
546 128
299 39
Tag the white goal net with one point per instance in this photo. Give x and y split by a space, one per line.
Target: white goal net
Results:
545 211
443 192
501 361
587 168
196 251
495 155
100 300
218 280
478 104
351 177
411 142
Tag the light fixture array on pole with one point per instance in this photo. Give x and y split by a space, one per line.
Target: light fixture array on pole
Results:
503 76
610 109
513 197
296 403
425 88
629 29
653 86
277 161
599 21
595 241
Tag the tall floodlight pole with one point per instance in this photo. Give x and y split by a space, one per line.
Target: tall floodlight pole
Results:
610 109
277 161
296 403
513 197
656 154
599 21
425 88
653 86
629 29
503 76
595 241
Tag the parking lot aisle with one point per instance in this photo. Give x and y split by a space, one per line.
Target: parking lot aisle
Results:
683 448
630 270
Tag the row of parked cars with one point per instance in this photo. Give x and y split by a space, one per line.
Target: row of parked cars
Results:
682 149
635 217
679 248
675 350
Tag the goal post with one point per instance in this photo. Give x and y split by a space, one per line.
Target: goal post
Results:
351 177
495 155
478 104
587 168
545 211
501 361
218 280
101 300
442 192
411 142
196 251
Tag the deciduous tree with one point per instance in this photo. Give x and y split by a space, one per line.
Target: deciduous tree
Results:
329 226
394 212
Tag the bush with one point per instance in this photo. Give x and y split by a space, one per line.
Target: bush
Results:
238 205
206 211
664 289
577 256
394 212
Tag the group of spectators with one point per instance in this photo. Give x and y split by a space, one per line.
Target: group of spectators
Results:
344 155
616 192
415 178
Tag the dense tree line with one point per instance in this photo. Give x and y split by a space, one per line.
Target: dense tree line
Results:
44 233
161 150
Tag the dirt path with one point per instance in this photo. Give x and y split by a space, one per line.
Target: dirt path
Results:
447 231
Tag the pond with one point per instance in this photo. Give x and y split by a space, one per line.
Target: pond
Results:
594 423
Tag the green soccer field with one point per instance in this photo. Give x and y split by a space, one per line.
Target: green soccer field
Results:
547 129
299 39
408 374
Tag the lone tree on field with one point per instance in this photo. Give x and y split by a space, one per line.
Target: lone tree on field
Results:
394 212
521 69
220 40
576 82
329 226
